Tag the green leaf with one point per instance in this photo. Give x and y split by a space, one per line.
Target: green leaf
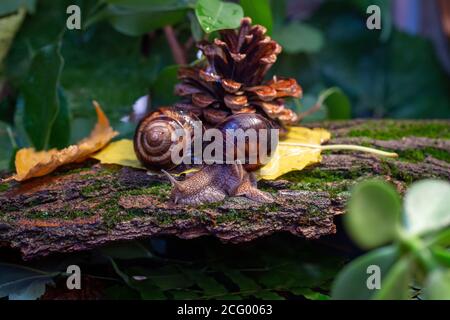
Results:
165 278
395 286
149 291
427 206
373 214
10 6
40 94
437 286
242 281
298 37
337 103
217 15
196 29
184 295
126 251
259 11
60 135
154 5
134 22
23 283
351 282
208 284
9 25
137 17
268 295
310 294
6 145
121 292
441 255
163 87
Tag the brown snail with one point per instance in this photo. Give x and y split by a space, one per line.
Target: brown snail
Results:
154 144
154 138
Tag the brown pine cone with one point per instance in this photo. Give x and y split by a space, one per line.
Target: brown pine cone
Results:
231 78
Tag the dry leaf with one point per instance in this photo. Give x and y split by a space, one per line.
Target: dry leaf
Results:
285 159
119 152
31 163
288 158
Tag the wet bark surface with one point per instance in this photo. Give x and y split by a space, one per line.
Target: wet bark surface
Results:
84 206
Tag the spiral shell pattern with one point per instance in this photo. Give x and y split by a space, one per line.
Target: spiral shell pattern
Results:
155 137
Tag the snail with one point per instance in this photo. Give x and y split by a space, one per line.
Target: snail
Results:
154 136
233 176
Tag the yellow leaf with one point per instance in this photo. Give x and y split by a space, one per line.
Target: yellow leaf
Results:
119 152
288 158
285 159
31 163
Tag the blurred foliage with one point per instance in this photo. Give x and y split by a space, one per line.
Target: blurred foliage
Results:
121 54
419 255
272 268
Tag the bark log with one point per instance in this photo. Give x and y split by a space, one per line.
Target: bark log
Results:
85 206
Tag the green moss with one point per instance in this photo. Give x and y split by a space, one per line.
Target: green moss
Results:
418 155
397 130
234 215
4 187
165 218
320 176
161 190
390 168
66 215
209 206
92 189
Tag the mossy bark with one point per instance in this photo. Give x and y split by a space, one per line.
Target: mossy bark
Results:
83 206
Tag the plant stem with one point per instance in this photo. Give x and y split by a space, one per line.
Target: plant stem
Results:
420 251
342 147
177 50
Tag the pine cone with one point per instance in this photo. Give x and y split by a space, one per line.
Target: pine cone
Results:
231 78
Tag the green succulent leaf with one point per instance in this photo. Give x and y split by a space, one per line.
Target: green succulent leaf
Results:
352 282
217 15
395 286
441 255
373 214
437 286
427 206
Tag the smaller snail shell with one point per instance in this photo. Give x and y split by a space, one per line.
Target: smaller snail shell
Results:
155 137
246 121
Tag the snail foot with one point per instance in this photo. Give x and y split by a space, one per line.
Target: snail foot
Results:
213 183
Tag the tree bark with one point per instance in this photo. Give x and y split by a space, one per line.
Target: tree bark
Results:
84 206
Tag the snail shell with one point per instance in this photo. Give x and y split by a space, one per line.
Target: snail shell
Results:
155 136
262 128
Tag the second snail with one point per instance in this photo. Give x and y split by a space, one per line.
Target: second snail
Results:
225 91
